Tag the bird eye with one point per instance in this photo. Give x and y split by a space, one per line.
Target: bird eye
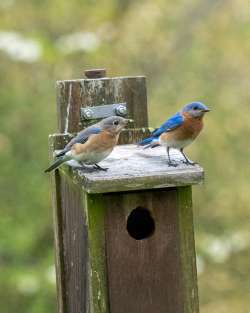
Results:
196 108
116 122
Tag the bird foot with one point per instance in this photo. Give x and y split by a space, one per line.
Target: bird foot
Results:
172 164
187 162
98 167
84 168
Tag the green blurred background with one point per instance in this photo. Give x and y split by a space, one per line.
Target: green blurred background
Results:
189 50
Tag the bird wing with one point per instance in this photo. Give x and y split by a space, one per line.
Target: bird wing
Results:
172 123
81 137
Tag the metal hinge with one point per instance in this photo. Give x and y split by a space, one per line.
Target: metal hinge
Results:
102 111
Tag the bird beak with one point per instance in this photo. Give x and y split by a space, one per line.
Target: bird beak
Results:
206 110
129 121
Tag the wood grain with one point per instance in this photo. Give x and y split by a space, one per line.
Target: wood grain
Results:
75 286
69 102
144 275
187 250
100 267
75 254
95 212
59 259
133 168
70 241
74 94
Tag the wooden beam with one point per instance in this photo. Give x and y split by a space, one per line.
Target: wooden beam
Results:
76 292
134 168
157 273
74 94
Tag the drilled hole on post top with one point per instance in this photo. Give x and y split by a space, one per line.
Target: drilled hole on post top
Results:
140 224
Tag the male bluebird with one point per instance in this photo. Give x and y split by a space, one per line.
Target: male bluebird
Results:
92 144
178 131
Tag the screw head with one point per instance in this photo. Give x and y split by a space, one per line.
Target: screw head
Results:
95 73
121 110
87 113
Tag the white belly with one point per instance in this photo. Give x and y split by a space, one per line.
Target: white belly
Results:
176 144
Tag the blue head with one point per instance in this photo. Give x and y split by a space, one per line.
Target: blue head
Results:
195 109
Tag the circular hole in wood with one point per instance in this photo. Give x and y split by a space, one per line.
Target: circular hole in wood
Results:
140 224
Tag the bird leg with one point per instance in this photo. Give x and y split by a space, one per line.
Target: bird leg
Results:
98 167
170 163
81 166
186 159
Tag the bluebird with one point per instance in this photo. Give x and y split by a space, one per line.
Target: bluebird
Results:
178 131
92 144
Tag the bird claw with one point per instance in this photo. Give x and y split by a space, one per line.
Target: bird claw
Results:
98 167
172 164
104 169
189 162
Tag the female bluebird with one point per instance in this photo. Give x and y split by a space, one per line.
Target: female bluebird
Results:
92 144
178 131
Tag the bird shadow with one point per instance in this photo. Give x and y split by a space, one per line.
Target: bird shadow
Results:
88 169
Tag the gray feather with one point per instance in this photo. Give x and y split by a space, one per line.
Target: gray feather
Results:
81 137
56 164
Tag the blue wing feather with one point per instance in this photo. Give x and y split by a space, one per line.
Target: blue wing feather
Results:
172 123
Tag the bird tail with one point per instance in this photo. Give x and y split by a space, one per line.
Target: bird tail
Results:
149 142
61 153
56 164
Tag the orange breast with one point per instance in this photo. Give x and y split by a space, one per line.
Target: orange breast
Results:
96 142
190 128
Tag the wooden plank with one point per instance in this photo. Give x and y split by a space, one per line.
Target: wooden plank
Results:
75 252
69 101
74 94
70 230
95 213
70 241
187 250
157 274
129 136
133 168
144 275
58 237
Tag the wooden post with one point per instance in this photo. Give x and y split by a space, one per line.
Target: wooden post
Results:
124 239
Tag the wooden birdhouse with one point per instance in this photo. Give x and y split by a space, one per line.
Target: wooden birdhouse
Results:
124 238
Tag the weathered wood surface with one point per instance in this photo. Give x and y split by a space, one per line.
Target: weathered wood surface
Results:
70 241
95 212
71 96
74 251
58 239
187 249
71 248
156 274
74 94
97 261
144 275
133 168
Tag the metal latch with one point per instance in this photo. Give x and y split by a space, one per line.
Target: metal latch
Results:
102 111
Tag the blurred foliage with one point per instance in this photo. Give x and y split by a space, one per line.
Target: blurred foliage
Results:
189 50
